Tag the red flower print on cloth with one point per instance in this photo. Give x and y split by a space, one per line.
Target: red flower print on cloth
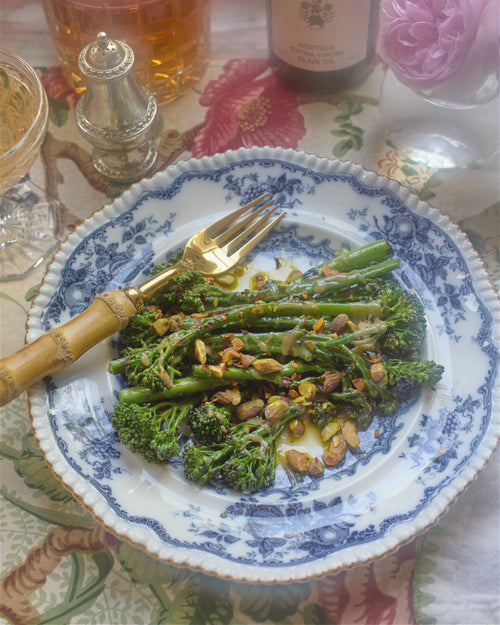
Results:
379 593
248 106
57 87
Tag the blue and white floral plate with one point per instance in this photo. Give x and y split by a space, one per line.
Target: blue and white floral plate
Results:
405 475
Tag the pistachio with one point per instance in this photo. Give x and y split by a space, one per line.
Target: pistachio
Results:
162 326
200 351
237 344
298 460
247 360
266 365
328 271
331 381
218 370
307 389
249 409
339 323
315 468
276 408
259 280
230 356
349 432
228 396
336 451
359 384
297 428
319 325
330 430
378 373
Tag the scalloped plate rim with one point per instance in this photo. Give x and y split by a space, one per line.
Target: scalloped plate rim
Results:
344 559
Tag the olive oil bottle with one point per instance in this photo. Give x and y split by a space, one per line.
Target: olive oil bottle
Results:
322 46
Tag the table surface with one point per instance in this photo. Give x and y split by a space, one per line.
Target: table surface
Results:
58 565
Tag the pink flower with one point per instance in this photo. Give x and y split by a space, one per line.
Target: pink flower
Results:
425 42
248 106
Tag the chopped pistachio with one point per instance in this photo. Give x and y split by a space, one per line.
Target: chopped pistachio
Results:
307 389
349 432
266 365
331 381
378 373
330 430
359 384
200 351
249 409
315 468
276 409
298 460
297 428
339 322
162 326
319 325
336 451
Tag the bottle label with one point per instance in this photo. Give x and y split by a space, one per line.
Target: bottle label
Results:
320 35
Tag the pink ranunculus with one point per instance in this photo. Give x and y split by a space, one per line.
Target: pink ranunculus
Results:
425 42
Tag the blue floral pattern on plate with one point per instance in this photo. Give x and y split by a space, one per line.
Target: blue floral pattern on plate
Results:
409 468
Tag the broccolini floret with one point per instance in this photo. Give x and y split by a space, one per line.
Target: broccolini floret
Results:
179 293
340 344
421 372
245 461
152 431
139 331
209 423
404 314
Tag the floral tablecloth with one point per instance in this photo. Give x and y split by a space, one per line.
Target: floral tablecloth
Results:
58 566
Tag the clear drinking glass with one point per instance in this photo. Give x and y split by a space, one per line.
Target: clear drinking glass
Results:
439 99
29 224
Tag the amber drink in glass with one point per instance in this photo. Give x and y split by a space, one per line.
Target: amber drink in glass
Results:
170 38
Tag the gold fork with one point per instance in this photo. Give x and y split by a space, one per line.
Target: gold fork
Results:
212 251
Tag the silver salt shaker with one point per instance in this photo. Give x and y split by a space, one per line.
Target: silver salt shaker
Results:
116 114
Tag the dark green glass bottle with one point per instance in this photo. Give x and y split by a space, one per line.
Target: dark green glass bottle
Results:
322 46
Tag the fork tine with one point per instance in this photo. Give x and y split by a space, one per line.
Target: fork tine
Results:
217 227
227 235
249 245
253 227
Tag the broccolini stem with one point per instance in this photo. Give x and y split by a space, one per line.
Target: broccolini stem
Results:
245 316
117 366
320 287
296 342
347 260
317 287
293 367
183 387
359 362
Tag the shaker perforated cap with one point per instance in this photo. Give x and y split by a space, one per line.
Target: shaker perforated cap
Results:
105 58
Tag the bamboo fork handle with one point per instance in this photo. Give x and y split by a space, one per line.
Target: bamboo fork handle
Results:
59 347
